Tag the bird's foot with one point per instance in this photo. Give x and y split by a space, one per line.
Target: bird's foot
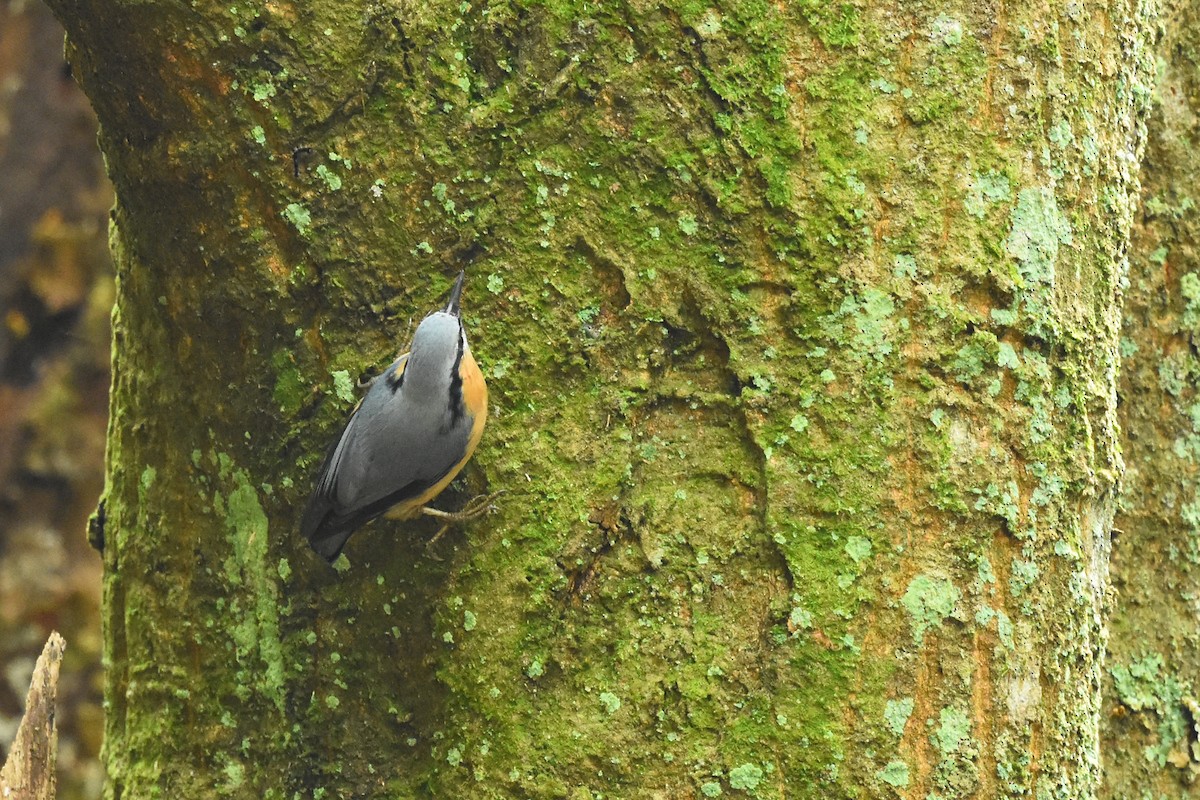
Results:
475 508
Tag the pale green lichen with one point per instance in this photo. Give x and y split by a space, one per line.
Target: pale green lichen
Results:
746 777
1145 685
867 320
800 619
299 216
1038 231
1006 356
343 386
894 774
974 357
987 189
1189 287
331 178
235 775
954 727
897 712
611 703
1024 574
687 224
256 628
262 92
904 267
946 31
858 548
929 600
710 23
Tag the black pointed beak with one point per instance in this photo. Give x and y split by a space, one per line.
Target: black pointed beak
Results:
456 294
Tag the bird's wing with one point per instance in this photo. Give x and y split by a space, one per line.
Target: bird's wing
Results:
392 450
330 510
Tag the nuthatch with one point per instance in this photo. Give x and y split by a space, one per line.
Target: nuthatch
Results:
412 432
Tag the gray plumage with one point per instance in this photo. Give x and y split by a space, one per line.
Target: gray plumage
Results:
408 432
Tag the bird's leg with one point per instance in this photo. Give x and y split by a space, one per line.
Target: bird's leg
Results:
475 508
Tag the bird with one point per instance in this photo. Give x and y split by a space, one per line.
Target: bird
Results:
414 429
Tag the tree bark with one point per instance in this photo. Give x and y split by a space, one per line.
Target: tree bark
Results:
1151 735
801 326
29 772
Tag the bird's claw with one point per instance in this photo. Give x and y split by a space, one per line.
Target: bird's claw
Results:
476 507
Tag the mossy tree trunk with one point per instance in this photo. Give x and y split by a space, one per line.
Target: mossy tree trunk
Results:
801 326
1152 720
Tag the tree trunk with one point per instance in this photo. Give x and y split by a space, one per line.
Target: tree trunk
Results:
1152 730
801 326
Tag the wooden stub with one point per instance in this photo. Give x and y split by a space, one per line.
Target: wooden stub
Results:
29 772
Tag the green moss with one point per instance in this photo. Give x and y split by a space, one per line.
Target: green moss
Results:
744 261
835 24
290 389
256 627
975 356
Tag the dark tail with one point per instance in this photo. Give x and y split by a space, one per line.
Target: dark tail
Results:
326 530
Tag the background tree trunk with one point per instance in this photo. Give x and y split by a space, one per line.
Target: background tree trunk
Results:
801 325
1152 739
